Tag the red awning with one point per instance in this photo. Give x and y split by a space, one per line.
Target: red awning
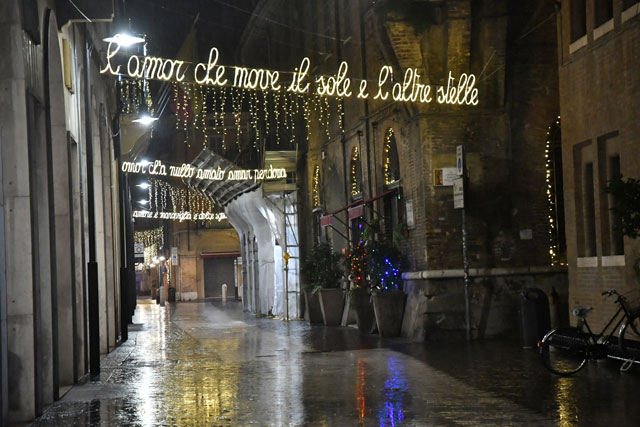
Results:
366 202
208 255
356 211
325 220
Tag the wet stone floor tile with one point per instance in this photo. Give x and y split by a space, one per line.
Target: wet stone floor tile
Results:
209 364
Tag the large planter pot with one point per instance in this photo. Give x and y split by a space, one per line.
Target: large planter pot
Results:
331 304
389 308
365 316
314 312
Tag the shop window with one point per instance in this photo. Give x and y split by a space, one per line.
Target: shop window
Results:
609 169
390 159
603 11
589 207
578 19
626 4
584 200
355 174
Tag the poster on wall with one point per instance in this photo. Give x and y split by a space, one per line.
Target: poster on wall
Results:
138 250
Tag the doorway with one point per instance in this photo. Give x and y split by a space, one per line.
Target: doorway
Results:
216 272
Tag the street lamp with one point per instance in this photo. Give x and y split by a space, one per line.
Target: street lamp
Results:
124 39
145 119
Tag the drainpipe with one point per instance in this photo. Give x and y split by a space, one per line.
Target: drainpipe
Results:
343 140
363 51
124 264
92 265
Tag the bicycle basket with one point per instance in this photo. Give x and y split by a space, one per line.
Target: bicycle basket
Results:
631 301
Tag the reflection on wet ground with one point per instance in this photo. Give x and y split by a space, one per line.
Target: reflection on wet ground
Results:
212 364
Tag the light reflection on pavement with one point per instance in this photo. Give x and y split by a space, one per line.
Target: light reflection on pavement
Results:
211 364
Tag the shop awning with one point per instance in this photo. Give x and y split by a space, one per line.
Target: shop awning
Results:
221 191
360 202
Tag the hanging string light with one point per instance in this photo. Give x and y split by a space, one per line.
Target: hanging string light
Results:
552 193
355 185
316 186
276 114
389 173
265 105
328 119
154 236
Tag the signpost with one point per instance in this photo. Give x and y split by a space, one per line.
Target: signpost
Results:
458 203
458 193
174 256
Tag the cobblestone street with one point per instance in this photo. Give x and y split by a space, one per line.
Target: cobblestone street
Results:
212 364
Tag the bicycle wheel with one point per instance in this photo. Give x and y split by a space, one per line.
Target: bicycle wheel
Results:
564 351
629 338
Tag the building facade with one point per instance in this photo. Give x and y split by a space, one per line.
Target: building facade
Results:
598 46
379 162
60 204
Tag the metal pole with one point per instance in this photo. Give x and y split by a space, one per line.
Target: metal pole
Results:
465 257
286 265
467 282
92 265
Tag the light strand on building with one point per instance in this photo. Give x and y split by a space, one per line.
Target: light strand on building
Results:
388 172
551 194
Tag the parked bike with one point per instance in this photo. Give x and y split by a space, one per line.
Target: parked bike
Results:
565 351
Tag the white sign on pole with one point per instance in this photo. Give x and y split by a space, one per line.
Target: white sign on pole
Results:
460 160
174 256
138 250
411 223
444 177
458 193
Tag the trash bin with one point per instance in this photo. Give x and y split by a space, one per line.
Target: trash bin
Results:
535 319
172 294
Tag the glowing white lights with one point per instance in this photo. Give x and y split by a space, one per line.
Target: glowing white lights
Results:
460 91
186 170
123 39
181 216
144 185
145 120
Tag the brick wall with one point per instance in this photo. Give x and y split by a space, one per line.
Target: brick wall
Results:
599 84
512 50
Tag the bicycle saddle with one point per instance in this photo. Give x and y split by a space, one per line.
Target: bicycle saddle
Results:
581 312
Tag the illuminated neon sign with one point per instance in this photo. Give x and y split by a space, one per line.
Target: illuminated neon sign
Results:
181 216
457 91
186 170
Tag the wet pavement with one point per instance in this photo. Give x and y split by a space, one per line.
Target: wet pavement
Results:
211 364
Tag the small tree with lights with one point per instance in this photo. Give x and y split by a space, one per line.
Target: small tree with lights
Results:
322 268
626 194
384 263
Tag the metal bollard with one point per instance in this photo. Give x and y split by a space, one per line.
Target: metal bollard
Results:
224 292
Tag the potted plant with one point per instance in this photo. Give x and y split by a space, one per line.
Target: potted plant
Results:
384 264
321 271
360 293
626 195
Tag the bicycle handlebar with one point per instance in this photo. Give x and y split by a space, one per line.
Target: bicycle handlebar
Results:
610 292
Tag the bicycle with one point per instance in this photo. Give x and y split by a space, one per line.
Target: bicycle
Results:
565 351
